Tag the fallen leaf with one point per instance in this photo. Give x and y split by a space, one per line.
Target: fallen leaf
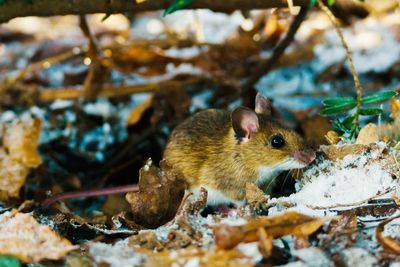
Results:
147 240
395 107
368 134
332 137
12 176
387 241
264 243
289 223
338 152
315 129
21 139
22 237
195 256
159 196
137 112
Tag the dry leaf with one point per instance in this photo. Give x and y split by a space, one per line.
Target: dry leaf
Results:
147 240
264 243
338 152
159 196
395 107
12 176
332 137
21 236
138 111
289 223
396 200
315 129
21 139
195 256
368 134
386 241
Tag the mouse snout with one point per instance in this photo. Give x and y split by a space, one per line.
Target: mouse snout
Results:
304 156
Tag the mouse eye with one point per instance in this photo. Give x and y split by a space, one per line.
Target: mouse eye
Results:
277 141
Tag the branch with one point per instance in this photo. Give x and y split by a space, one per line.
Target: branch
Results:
20 8
267 65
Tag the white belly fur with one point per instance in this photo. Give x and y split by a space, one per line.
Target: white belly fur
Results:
215 197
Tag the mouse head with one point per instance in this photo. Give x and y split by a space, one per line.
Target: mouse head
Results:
264 142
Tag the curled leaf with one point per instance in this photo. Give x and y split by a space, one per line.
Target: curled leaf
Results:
289 223
386 241
159 196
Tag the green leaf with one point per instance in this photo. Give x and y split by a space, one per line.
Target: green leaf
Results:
330 2
334 110
7 261
378 97
335 101
176 5
354 131
348 122
371 111
339 127
312 3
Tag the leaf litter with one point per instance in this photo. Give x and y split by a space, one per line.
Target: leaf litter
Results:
342 211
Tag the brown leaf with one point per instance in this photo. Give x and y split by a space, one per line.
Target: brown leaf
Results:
315 129
335 152
386 241
137 112
160 193
147 240
332 137
289 223
264 243
24 238
21 139
12 176
199 256
368 134
395 107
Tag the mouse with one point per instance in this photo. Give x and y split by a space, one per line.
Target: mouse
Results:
222 150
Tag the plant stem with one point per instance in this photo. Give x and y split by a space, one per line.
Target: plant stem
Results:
357 84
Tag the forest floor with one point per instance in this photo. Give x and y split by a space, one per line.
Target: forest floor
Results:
141 77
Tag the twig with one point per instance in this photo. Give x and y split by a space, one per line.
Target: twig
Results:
351 204
267 65
357 85
110 90
95 77
8 82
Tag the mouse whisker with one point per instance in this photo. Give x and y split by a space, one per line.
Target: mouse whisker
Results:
284 180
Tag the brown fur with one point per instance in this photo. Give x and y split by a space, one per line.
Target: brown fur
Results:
205 150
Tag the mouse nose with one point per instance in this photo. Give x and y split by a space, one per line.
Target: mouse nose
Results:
304 156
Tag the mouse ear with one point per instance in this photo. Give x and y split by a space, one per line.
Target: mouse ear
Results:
244 123
263 105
